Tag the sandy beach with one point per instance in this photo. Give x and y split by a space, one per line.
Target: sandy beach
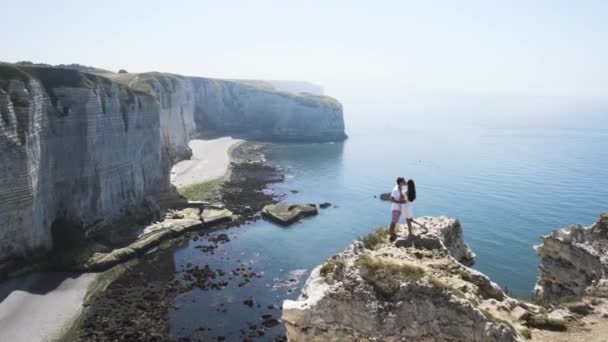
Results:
210 160
38 306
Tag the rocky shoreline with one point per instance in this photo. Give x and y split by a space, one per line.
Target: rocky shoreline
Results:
135 305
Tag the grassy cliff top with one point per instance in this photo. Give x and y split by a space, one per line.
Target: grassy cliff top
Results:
145 81
168 82
50 77
149 82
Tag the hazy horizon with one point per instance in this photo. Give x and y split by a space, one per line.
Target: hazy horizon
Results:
497 62
548 48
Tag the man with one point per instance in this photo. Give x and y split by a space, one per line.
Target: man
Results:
397 199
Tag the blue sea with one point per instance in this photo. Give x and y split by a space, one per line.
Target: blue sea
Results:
507 187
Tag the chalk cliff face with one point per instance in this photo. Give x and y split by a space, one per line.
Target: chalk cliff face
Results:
75 150
414 290
253 109
574 263
79 151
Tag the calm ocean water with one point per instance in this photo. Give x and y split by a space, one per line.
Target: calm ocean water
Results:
507 187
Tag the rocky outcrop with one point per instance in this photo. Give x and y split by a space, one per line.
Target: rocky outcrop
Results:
441 233
286 214
414 290
573 263
175 224
79 151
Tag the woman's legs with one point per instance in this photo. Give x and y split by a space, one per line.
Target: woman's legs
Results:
409 225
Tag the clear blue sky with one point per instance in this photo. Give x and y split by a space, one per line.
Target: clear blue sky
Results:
523 47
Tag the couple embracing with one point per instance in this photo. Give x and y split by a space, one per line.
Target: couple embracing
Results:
402 197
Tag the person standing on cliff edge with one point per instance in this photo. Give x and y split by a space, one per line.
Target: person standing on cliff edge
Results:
398 200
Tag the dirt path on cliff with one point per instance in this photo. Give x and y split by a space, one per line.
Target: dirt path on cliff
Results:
210 160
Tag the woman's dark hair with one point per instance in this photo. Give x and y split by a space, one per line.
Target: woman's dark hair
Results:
411 190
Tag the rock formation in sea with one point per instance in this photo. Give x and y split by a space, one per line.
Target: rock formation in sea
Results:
82 151
418 289
573 263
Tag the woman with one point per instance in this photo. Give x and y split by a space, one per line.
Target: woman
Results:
407 210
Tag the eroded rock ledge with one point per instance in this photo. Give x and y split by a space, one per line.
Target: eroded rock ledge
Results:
417 289
573 263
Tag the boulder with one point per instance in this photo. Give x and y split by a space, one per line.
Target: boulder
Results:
103 261
212 216
324 205
286 214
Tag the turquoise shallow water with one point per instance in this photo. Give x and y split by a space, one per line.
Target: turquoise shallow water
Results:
507 187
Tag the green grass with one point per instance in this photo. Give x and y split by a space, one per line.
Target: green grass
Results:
580 308
206 191
304 99
333 267
440 284
55 77
374 239
525 332
146 82
546 323
385 276
10 72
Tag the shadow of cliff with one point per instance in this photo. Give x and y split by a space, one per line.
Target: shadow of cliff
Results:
39 283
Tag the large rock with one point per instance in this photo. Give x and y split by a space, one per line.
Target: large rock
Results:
573 262
213 216
81 151
151 237
392 293
443 233
286 214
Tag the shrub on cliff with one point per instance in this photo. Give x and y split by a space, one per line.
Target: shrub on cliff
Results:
385 276
374 239
546 323
333 267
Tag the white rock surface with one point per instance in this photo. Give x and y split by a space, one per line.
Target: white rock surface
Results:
573 262
449 302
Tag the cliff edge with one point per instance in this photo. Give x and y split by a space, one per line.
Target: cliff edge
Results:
417 289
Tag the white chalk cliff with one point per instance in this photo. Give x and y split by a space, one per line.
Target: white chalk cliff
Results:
83 150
